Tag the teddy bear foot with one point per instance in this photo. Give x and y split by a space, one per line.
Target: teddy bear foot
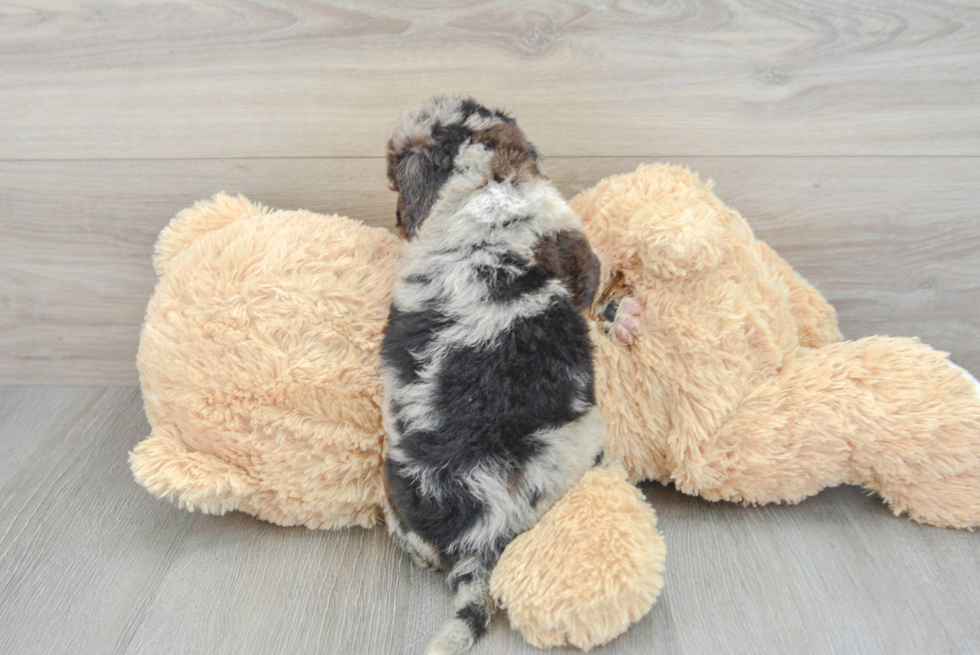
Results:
972 380
932 474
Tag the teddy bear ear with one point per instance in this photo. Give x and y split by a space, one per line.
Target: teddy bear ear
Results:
660 217
192 223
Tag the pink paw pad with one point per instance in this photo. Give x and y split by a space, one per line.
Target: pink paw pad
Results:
625 320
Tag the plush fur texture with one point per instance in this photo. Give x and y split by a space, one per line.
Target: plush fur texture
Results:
487 365
260 371
562 581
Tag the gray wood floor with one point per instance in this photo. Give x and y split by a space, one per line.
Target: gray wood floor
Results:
848 133
89 563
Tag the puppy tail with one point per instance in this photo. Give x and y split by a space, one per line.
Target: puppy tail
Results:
469 580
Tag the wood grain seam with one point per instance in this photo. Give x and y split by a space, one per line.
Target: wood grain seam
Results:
547 157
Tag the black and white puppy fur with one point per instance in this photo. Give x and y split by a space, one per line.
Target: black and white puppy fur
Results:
489 400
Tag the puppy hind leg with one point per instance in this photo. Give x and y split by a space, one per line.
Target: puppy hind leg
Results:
423 554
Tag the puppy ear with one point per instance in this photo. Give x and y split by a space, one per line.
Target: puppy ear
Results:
391 156
417 173
569 256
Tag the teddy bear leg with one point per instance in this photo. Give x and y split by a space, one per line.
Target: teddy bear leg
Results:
932 472
889 414
946 502
816 319
975 383
790 436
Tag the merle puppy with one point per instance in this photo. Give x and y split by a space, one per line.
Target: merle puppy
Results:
489 400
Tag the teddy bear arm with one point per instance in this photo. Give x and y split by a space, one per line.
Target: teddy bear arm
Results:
196 481
332 489
816 319
555 579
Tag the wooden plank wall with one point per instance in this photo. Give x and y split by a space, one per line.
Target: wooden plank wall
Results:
847 133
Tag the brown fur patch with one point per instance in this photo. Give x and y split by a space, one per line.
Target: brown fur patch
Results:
399 225
615 289
391 155
406 171
569 256
511 152
515 481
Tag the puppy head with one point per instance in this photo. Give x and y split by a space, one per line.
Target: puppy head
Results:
427 141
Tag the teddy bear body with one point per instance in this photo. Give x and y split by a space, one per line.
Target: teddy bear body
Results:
259 364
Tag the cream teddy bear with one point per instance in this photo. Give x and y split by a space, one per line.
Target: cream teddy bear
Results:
259 367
